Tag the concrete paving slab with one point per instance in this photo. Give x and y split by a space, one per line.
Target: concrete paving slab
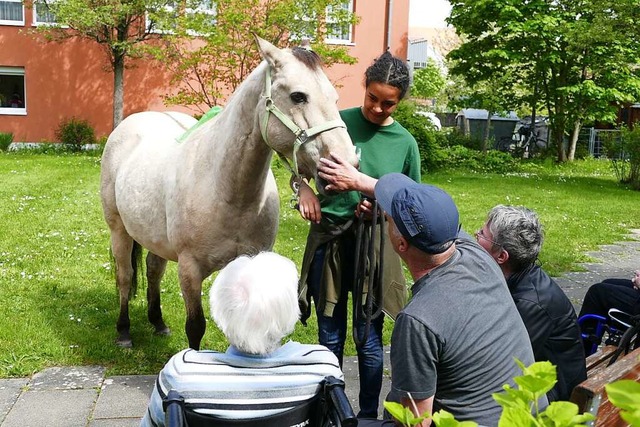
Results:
124 422
10 390
68 378
111 404
352 380
62 408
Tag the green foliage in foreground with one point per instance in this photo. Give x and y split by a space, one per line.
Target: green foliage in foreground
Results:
57 289
625 394
519 405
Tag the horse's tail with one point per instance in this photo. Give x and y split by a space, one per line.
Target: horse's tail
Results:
136 263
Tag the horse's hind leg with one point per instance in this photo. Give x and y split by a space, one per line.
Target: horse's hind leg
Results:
155 270
122 248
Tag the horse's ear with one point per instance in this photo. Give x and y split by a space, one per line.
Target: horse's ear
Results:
269 52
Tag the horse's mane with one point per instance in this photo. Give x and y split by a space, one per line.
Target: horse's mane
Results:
307 57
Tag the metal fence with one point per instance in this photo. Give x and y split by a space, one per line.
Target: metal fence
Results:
596 140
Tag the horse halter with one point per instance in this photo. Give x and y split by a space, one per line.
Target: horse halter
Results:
302 135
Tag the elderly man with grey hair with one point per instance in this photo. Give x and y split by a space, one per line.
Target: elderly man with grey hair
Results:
513 236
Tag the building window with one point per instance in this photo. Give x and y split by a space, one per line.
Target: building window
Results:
336 33
339 33
12 91
11 12
156 21
42 14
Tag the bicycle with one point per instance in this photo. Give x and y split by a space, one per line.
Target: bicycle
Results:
525 142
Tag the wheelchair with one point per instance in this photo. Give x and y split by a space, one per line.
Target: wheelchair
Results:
618 327
329 408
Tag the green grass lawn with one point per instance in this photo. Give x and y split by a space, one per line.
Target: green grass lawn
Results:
57 288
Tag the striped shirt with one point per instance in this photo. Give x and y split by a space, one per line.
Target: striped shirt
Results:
236 385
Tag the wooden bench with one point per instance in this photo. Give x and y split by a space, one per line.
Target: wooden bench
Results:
590 395
600 359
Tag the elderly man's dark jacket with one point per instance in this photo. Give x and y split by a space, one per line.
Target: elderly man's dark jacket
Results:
553 327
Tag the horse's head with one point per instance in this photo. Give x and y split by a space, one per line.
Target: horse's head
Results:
299 115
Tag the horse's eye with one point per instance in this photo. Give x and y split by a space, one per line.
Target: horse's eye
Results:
298 97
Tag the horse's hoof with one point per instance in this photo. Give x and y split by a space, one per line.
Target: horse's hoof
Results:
124 343
163 332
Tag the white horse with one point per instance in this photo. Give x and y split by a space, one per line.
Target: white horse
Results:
205 200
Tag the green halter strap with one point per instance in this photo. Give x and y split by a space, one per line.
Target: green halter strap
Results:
302 136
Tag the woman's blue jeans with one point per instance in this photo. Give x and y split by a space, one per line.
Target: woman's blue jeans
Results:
332 331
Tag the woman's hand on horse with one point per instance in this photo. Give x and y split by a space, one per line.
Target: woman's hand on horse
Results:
342 176
309 204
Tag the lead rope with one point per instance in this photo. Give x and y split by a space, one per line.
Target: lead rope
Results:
365 262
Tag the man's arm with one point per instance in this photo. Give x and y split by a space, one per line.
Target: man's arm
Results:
421 406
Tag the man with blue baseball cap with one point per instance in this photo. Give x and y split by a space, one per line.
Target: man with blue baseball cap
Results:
454 343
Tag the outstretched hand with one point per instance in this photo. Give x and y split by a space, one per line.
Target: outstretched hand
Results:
340 175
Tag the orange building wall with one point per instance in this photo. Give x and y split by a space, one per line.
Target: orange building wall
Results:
74 79
369 38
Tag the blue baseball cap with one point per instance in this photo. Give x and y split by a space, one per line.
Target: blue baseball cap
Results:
425 215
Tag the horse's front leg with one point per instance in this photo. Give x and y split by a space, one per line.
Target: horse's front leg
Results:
191 278
155 270
122 248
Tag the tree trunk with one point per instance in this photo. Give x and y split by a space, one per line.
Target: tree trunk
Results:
574 140
487 132
118 89
558 123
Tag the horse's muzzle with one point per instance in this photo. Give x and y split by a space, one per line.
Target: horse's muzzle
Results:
321 184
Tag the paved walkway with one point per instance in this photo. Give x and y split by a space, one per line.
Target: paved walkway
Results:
83 396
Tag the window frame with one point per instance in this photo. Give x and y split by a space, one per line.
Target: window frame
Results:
12 111
328 21
208 11
12 22
35 15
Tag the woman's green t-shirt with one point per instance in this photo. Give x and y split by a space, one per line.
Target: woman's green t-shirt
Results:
383 150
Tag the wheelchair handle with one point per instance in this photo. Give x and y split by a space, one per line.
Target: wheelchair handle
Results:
173 406
335 388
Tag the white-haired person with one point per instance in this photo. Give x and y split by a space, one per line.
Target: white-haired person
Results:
254 302
513 237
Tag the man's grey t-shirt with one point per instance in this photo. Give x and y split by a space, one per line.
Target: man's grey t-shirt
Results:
458 336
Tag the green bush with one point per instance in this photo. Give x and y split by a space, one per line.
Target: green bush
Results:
75 133
624 151
5 140
460 157
423 131
454 137
450 149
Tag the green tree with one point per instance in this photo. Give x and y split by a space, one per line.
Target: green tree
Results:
575 58
428 82
118 26
210 55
